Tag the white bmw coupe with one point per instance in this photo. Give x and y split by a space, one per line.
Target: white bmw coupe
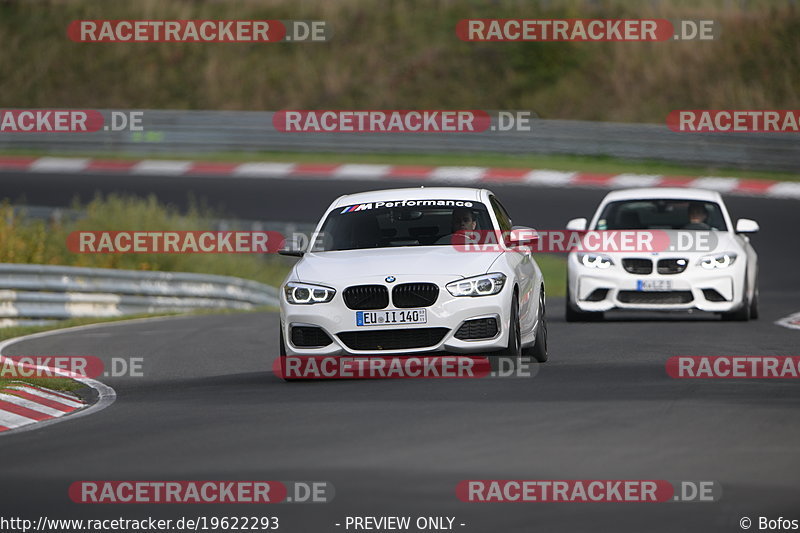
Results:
709 263
382 276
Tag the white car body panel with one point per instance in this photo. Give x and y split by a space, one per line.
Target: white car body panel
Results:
729 282
439 264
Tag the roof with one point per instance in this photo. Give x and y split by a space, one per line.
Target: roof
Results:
415 193
666 193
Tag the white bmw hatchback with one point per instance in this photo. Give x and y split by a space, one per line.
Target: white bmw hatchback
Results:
707 263
382 276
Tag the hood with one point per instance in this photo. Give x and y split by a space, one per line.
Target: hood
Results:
422 261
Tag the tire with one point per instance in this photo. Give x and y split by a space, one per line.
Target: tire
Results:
743 313
754 305
539 350
513 351
573 315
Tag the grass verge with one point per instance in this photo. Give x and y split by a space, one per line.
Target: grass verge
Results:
554 270
27 240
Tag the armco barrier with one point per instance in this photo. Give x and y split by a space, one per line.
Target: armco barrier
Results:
42 292
196 132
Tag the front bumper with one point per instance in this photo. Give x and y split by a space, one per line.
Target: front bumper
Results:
695 288
447 312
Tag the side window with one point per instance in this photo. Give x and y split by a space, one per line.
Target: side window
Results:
501 214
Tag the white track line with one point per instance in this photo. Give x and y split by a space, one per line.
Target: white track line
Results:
635 180
263 170
549 177
715 184
59 164
359 171
792 321
161 167
458 174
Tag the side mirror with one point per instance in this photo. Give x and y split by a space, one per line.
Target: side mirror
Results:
577 224
290 252
522 236
745 225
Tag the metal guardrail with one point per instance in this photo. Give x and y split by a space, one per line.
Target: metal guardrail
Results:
44 292
195 132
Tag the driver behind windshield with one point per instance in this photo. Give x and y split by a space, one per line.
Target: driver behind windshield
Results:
463 219
698 216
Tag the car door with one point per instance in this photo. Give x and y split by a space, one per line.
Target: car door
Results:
525 272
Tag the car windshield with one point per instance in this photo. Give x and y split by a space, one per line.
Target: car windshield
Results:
662 214
400 223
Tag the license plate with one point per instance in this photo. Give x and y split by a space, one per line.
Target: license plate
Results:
390 317
654 285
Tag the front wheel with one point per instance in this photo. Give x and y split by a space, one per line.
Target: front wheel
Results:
754 305
539 350
513 352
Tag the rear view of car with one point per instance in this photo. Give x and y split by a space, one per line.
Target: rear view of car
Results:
708 265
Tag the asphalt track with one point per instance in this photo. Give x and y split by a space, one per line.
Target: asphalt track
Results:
208 406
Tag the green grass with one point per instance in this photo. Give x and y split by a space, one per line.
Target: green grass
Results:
596 164
554 270
58 384
23 240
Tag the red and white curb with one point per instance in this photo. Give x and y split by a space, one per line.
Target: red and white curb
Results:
445 174
22 404
25 407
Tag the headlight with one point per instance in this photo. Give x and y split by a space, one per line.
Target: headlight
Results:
595 260
484 285
306 293
724 260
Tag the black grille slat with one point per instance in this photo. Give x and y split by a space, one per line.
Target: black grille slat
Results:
365 297
478 328
665 298
415 295
392 339
671 266
637 266
310 337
